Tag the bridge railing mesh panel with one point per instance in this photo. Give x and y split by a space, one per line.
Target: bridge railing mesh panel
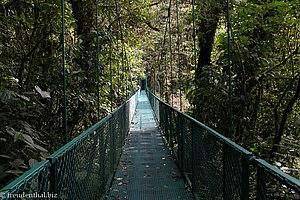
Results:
83 168
34 182
214 166
272 183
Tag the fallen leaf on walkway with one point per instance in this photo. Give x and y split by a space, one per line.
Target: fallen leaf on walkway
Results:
125 182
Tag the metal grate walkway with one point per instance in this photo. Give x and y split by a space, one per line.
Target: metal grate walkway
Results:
146 169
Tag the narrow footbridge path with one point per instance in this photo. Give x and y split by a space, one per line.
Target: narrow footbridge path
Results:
146 169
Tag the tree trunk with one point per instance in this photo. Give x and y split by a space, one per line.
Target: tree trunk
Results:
210 12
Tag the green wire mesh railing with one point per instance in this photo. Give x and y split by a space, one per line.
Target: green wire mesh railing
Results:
272 183
34 181
214 166
83 168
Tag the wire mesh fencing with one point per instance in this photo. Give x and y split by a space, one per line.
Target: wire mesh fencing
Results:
83 168
214 166
35 182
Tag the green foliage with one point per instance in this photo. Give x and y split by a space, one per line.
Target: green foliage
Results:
265 60
265 72
31 88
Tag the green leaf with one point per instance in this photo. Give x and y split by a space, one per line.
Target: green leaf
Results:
39 148
14 172
11 131
17 136
28 138
44 94
22 97
16 163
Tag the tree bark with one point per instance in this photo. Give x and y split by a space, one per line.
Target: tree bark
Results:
207 27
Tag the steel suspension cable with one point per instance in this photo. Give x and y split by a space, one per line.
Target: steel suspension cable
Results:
195 59
229 69
163 48
168 22
170 37
127 68
110 55
122 41
64 72
179 66
128 72
97 63
118 70
123 66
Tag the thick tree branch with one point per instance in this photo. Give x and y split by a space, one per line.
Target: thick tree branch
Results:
285 113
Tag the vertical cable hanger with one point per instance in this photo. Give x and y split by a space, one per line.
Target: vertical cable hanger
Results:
170 37
110 55
195 58
122 41
229 69
179 66
154 81
118 67
64 71
164 53
168 22
127 73
97 63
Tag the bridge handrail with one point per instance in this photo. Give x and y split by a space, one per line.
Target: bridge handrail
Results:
251 172
37 176
66 169
222 137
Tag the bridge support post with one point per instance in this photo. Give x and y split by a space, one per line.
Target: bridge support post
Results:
165 122
245 178
261 184
112 142
227 184
53 176
101 162
195 158
180 123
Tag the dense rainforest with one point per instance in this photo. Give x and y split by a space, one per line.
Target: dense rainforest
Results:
188 69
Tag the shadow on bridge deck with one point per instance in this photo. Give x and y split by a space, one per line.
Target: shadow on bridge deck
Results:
146 169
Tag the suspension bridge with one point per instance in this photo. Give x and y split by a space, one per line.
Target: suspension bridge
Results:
147 149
